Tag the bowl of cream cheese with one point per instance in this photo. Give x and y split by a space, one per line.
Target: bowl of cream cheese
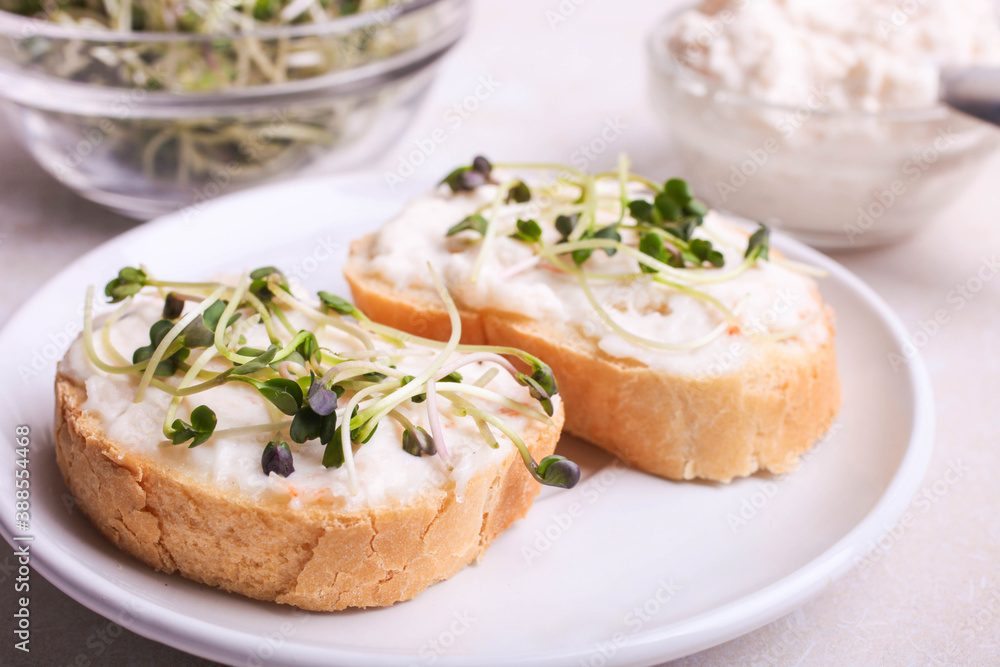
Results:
820 118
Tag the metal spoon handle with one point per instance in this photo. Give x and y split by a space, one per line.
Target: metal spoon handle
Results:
973 90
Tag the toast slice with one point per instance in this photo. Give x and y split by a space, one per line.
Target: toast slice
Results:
750 401
211 514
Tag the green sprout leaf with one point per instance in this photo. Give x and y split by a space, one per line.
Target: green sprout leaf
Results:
651 244
474 223
701 251
258 362
129 281
467 179
565 225
305 426
519 192
277 458
674 209
333 455
644 211
210 318
418 443
610 232
759 246
259 282
340 306
374 377
195 335
678 191
528 231
201 428
541 385
406 379
168 365
557 471
668 209
309 347
356 432
328 428
286 395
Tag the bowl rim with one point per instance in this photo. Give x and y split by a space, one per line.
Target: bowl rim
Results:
663 61
43 91
58 95
18 26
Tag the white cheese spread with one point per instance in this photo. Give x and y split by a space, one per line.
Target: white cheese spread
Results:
386 473
866 55
767 297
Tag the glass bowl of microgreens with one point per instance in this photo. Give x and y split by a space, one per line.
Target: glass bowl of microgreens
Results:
148 106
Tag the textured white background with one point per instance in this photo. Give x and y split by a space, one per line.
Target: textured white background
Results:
932 598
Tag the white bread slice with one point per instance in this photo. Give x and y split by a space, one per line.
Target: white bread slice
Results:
758 417
313 557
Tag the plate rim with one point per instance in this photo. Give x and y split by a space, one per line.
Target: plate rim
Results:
738 617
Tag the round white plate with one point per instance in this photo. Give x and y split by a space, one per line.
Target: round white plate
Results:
624 569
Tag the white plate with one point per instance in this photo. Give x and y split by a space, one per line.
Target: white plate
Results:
625 566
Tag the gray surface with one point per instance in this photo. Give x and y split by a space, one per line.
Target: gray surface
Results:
43 227
66 633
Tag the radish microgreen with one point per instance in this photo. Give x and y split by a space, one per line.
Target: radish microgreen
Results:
519 193
337 399
473 223
277 458
467 179
660 222
201 428
759 246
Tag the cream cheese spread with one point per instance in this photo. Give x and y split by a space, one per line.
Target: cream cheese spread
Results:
768 298
865 55
386 473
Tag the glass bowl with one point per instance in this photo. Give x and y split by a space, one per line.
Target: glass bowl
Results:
147 123
834 179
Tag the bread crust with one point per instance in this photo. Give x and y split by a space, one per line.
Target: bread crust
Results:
316 557
759 417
